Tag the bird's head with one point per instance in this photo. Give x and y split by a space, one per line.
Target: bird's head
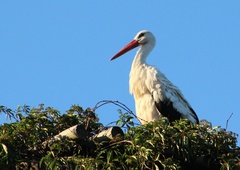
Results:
145 37
142 38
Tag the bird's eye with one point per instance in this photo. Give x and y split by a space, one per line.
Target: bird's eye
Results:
141 35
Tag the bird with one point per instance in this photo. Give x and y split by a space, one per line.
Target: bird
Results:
155 96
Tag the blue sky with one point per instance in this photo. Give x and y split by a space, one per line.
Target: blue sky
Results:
57 53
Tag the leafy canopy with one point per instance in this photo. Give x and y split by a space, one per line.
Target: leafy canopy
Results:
157 145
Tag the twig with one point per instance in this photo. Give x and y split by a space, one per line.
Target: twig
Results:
228 120
111 123
117 103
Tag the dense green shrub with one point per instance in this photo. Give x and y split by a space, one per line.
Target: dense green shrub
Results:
157 145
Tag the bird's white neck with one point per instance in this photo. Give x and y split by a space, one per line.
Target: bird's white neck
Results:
138 64
141 55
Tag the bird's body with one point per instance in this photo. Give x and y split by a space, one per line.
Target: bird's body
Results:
155 96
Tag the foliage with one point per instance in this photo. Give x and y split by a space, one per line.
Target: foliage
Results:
157 145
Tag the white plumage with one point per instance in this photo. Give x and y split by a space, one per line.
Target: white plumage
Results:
154 94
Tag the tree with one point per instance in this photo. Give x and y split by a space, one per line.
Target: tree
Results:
32 141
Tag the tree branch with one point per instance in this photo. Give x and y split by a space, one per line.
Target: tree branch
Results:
228 120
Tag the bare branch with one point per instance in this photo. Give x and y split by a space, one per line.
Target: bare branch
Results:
228 120
117 103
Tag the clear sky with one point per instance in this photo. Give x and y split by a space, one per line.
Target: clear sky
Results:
57 53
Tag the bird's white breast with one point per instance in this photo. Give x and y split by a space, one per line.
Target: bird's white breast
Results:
143 83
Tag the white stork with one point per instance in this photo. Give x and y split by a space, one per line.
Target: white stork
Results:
154 94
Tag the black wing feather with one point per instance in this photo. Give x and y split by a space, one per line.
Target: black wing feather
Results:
167 110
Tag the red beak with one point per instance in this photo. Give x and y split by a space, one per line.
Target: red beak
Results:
133 44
